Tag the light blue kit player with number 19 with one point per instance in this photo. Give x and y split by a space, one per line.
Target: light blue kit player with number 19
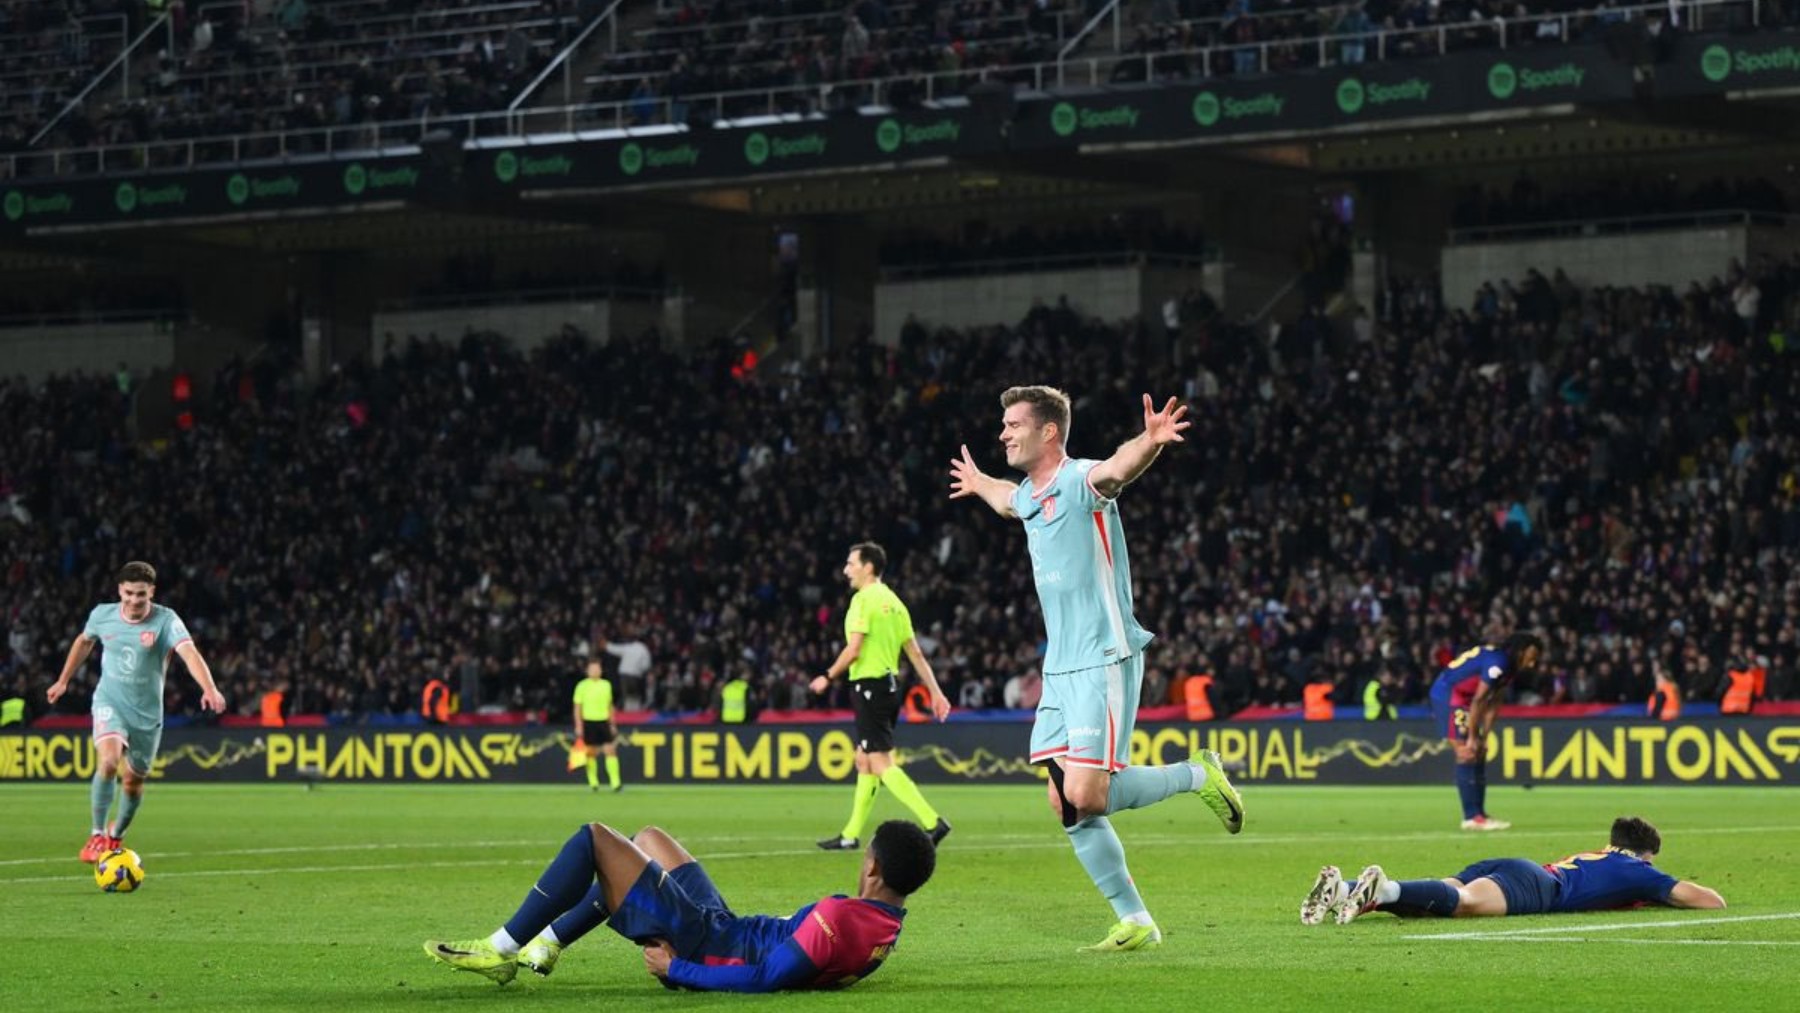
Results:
136 640
1094 667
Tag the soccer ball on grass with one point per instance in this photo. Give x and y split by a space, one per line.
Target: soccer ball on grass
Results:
120 871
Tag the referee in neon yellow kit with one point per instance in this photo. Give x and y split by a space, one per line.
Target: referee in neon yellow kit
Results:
594 725
876 629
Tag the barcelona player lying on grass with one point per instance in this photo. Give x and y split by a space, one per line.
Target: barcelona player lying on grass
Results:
652 892
1620 876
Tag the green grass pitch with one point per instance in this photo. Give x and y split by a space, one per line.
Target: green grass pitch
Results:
275 898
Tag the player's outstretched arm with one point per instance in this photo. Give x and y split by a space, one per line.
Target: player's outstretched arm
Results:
1135 455
1693 895
940 704
210 697
78 656
968 480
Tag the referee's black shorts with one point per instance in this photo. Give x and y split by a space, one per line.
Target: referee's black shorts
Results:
599 733
876 703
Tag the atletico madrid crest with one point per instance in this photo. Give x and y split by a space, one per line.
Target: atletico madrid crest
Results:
1049 509
146 638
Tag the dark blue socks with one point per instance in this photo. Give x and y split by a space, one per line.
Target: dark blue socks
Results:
1428 896
1471 785
583 918
559 889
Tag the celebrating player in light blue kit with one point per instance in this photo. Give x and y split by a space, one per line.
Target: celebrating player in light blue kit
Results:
136 639
1094 667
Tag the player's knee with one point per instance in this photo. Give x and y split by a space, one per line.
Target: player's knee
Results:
1089 798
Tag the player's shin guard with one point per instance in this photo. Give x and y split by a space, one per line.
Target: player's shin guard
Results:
583 918
1428 896
1466 774
861 805
1097 847
1137 787
560 888
901 786
100 794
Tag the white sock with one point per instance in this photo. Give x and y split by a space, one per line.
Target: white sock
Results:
550 934
1138 918
1389 893
1198 773
504 944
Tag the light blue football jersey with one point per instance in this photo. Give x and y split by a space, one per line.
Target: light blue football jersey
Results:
1083 574
134 658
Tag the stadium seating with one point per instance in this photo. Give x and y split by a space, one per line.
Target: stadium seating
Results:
735 53
1352 497
47 55
308 66
315 74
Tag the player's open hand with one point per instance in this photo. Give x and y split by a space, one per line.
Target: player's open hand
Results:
657 957
965 477
1165 426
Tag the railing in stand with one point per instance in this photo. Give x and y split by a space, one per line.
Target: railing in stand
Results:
1618 225
565 60
123 59
518 121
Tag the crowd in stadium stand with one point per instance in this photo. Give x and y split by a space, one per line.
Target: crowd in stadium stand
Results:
1528 202
1616 468
727 47
803 48
312 64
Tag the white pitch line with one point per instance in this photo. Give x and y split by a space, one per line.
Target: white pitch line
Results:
537 841
1678 923
393 867
1203 839
1621 942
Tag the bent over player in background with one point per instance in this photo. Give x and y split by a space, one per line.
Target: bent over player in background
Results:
652 892
1620 876
1094 668
1465 701
136 639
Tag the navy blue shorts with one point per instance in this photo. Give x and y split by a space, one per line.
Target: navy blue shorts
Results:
683 907
1452 722
1528 887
